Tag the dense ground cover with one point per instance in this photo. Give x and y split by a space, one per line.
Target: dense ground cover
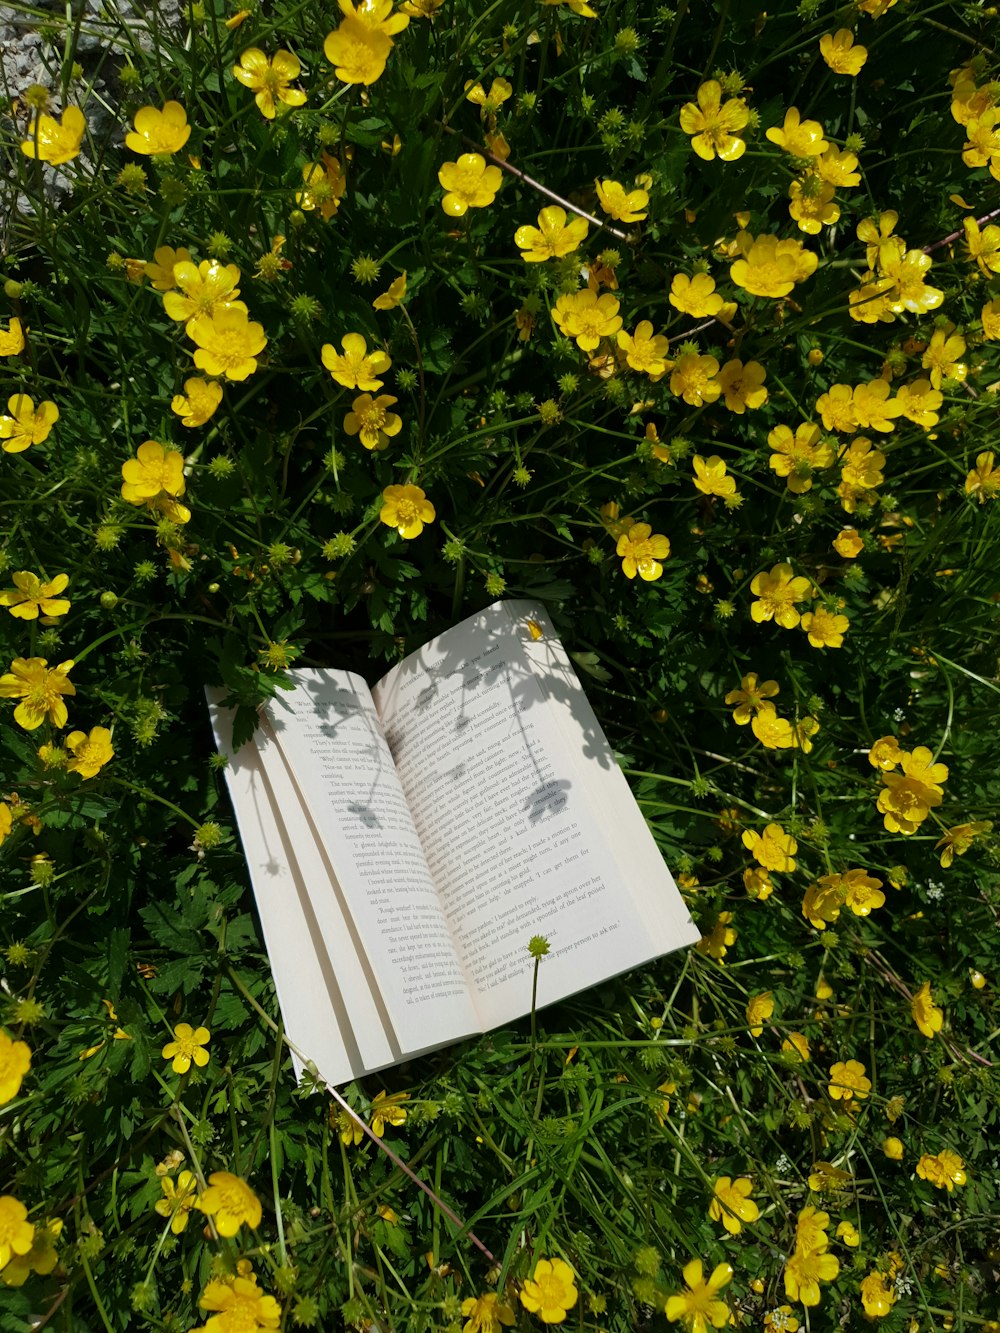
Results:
339 324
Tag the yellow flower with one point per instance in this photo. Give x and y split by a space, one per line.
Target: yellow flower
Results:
893 1148
89 753
799 138
393 296
780 1320
645 351
6 824
862 892
159 132
848 543
840 53
230 1202
198 403
927 1016
160 269
550 1291
694 379
878 1295
239 1304
188 1044
489 102
716 943
941 357
421 9
821 902
54 141
155 468
885 753
812 209
743 385
838 168
908 797
795 457
228 342
825 628
805 1270
12 341
983 246
990 317
269 79
386 1108
759 1008
849 1234
984 480
769 266
26 425
357 368
587 317
30 596
178 1200
552 238
774 849
357 51
205 288
860 471
41 1258
15 1061
370 419
376 15
406 509
642 552
714 125
836 408
16 1232
469 183
777 593
699 1306
579 7
848 1080
797 1045
731 1203
944 1171
695 296
486 1314
750 697
621 204
40 688
325 184
758 883
774 732
919 403
957 841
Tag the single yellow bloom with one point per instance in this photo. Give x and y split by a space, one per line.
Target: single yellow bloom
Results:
356 368
778 592
489 103
577 6
760 1007
774 732
587 317
469 183
693 378
796 457
198 403
849 1234
553 238
204 288
550 1291
12 339
486 1314
799 138
645 351
848 543
769 266
189 1044
370 419
840 53
160 269
990 317
927 1016
751 697
40 689
30 597
407 509
89 753
15 1061
774 849
805 1270
731 1203
893 1148
983 481
957 841
796 1044
41 1258
393 296
230 1202
825 628
699 1305
228 343
54 141
421 9
944 1171
716 943
619 203
385 1107
357 52
743 385
239 1305
160 132
155 468
848 1080
178 1200
813 209
269 79
714 125
26 425
16 1232
878 1295
710 476
642 552
376 15
695 296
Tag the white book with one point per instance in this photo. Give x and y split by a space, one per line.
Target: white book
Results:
406 841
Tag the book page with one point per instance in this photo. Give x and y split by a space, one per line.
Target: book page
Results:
512 826
329 734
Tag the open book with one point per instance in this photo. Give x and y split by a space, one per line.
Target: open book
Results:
406 841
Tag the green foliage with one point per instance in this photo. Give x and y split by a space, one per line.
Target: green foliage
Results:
597 1132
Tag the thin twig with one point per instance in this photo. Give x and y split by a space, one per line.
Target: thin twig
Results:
955 235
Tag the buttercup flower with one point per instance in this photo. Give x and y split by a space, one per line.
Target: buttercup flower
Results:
771 267
812 206
40 689
885 753
30 597
178 1200
780 1320
699 1306
422 9
848 1080
228 343
621 204
645 351
393 296
198 403
695 296
774 849
324 186
862 892
550 1291
775 732
878 1295
469 183
160 269
89 753
204 288
848 543
990 316
796 457
357 52
376 15
944 1171
927 1016
908 797
486 1314
731 1203
919 403
750 697
799 138
849 1234
41 1258
501 90
893 1148
777 593
860 472
240 1306
356 368
370 418
983 481
642 552
760 1007
837 167
710 476
577 6
825 628
714 125
26 425
797 1046
230 1202
841 54
155 468
716 943
6 824
552 238
743 385
805 1270
811 1228
957 841
12 341
53 141
587 317
407 509
694 379
159 132
269 79
821 902
189 1044
16 1232
836 408
942 355
15 1061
